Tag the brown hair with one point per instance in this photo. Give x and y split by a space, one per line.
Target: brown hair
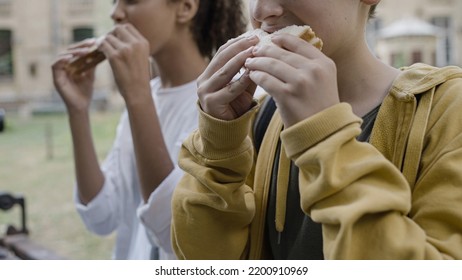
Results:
372 11
216 22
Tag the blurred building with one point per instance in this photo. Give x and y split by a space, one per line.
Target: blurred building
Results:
410 31
429 31
32 33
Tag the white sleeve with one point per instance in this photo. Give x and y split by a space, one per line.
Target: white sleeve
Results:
102 214
156 214
97 215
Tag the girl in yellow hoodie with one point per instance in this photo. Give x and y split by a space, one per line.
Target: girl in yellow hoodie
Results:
359 161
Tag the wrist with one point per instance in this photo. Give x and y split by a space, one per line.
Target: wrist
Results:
78 111
222 135
137 96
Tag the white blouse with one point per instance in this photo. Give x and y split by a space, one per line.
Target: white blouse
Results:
119 205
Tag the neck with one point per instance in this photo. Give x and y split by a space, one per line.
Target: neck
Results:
179 64
363 80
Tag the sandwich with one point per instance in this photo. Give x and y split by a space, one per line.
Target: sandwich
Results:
80 64
302 31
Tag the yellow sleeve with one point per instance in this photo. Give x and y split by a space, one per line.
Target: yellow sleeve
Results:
212 206
365 205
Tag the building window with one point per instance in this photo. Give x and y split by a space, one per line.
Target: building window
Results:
6 54
397 60
80 7
5 8
82 33
416 56
33 70
445 47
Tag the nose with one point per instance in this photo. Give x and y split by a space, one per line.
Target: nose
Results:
265 10
117 12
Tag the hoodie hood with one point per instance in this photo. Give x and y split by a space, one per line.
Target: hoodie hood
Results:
419 78
404 115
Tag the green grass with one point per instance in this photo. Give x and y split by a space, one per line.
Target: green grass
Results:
45 177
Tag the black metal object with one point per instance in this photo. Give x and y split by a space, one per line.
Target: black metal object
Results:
7 201
2 120
16 244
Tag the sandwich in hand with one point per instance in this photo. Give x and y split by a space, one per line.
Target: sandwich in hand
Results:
302 31
80 64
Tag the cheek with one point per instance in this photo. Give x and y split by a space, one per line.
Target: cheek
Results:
157 36
146 25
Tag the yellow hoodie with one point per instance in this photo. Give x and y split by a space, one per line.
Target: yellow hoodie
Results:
397 197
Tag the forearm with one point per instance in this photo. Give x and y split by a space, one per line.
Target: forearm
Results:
89 176
153 160
364 202
212 205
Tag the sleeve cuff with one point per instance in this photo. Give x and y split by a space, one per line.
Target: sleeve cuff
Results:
313 130
95 211
156 214
220 136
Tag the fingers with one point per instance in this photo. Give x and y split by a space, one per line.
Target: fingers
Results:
233 52
123 37
87 43
62 60
234 40
225 74
126 33
231 101
233 89
289 49
301 79
275 66
58 67
296 45
110 45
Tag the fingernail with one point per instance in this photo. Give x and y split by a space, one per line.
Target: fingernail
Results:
248 61
252 38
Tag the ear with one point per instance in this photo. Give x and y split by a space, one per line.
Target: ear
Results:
186 10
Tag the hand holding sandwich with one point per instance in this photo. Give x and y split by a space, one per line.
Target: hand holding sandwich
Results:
299 77
287 64
219 96
128 54
75 89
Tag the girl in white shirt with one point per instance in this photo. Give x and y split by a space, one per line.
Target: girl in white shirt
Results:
131 192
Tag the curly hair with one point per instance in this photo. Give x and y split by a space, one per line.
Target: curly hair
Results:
372 11
216 22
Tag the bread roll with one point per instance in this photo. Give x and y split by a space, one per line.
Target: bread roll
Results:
302 31
82 63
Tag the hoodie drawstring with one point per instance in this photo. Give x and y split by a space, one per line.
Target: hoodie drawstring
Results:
416 138
281 191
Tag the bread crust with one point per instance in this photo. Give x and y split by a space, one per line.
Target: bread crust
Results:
302 31
80 64
309 36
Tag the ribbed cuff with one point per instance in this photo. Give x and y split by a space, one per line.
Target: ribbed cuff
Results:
313 130
220 136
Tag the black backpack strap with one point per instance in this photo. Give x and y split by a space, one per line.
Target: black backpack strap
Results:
262 120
